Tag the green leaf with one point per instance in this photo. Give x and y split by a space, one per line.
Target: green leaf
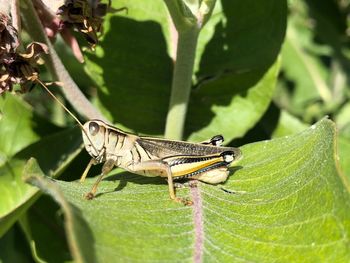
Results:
330 26
53 153
232 47
342 119
118 67
288 125
240 80
344 155
314 64
288 202
41 222
16 125
13 248
236 80
78 234
305 70
19 126
234 108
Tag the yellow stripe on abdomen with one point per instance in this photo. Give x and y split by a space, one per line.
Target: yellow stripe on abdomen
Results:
183 169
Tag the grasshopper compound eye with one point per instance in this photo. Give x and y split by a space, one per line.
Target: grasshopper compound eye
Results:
93 128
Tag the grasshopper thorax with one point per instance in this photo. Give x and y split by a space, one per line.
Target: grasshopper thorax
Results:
94 138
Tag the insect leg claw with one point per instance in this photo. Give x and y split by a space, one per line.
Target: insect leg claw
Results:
89 196
184 201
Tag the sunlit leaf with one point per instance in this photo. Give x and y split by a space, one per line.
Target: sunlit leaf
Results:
53 153
290 203
231 74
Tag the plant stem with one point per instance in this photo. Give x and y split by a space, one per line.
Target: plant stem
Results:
189 17
181 84
70 89
5 6
15 15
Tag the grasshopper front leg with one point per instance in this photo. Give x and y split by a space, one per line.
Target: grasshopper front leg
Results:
106 168
87 169
161 166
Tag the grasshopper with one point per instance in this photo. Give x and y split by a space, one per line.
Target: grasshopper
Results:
207 161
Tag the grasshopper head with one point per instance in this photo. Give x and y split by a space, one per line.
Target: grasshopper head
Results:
94 138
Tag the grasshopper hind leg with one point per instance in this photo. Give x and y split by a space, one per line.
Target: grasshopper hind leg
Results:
215 176
219 174
158 165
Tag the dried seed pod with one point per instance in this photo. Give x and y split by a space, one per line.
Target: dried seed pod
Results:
8 35
86 17
15 67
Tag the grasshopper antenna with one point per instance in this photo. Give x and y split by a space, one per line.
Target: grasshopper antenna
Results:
64 107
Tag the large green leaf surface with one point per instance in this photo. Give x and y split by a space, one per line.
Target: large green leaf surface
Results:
54 153
78 234
343 124
132 59
236 80
285 201
233 108
41 222
344 154
233 82
16 126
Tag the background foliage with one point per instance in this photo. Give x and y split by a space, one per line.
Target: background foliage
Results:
260 83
